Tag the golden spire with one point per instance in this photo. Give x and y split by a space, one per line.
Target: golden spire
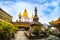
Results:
32 16
25 14
20 15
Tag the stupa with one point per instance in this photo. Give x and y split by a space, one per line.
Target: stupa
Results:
35 31
35 21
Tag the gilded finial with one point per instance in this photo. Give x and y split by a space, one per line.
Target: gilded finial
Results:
25 13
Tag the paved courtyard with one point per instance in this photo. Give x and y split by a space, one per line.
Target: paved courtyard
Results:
21 36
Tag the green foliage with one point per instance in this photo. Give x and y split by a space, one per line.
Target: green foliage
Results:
7 27
36 28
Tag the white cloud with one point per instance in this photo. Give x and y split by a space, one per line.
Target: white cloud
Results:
17 7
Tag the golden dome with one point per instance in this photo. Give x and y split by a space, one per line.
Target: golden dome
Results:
20 15
25 14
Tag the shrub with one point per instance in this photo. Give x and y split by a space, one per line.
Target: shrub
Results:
7 27
36 28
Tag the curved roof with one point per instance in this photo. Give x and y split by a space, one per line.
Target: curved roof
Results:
35 23
55 22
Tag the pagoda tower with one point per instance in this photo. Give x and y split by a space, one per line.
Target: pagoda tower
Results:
25 16
35 19
20 17
35 16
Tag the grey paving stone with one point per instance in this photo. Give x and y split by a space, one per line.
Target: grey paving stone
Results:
21 36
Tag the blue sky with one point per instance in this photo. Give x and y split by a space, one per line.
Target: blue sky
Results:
48 10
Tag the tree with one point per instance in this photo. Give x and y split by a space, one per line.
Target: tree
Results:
7 27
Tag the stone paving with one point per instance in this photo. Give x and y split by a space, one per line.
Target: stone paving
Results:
21 36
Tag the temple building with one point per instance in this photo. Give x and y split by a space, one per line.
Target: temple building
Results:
23 20
24 17
5 16
55 24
